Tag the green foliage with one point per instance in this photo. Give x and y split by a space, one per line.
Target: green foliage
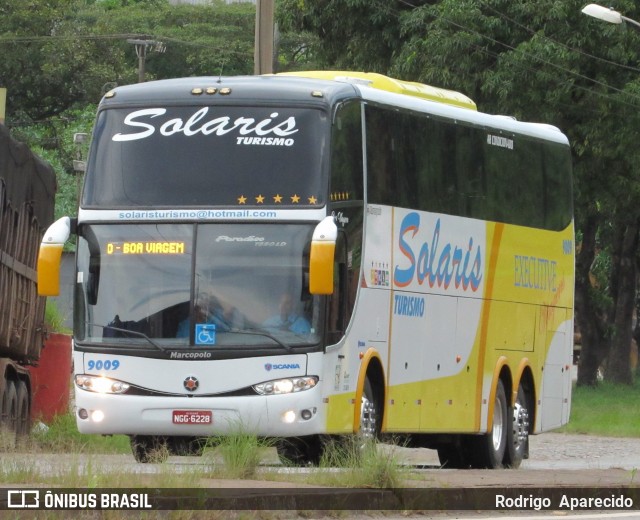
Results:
360 34
608 409
363 463
241 453
54 318
60 54
62 436
53 142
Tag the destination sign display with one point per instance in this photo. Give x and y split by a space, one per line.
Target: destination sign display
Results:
146 248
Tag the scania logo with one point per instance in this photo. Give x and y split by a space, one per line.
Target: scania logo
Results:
281 366
191 384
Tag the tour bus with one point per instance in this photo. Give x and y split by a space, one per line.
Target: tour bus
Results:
311 256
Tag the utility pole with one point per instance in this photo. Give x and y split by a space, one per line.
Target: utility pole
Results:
3 104
263 52
141 52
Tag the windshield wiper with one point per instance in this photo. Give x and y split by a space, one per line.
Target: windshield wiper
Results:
255 332
127 331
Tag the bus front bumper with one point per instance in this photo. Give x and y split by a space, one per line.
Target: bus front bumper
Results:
287 415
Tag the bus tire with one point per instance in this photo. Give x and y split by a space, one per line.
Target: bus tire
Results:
518 431
300 451
454 455
186 446
149 448
23 424
489 449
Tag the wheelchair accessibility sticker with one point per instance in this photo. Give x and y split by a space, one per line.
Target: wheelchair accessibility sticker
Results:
205 334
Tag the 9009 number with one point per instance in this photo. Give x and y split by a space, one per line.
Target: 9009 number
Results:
107 364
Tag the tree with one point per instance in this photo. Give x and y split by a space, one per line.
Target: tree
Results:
60 56
61 53
539 61
201 40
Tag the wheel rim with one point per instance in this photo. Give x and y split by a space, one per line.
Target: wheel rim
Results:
498 425
520 425
368 418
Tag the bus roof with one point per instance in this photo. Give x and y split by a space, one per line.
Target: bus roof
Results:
230 90
497 122
321 88
379 81
376 87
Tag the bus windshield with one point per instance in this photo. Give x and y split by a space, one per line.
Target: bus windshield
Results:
195 285
190 156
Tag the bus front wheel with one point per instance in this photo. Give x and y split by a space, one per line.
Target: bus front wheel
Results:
149 448
489 449
369 413
455 454
300 451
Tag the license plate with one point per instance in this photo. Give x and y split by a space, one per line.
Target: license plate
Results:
192 417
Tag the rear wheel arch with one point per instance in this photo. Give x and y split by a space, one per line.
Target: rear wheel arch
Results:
501 373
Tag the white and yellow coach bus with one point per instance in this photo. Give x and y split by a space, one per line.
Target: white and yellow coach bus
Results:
317 254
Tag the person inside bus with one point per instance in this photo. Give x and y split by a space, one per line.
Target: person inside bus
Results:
287 318
211 310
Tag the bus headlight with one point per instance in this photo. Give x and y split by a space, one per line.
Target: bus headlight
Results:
101 384
286 386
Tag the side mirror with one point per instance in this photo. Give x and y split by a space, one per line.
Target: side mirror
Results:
321 258
49 257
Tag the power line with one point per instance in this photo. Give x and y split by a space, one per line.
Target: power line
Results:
538 58
573 49
35 39
123 36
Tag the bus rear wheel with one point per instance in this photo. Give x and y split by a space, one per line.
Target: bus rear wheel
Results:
517 431
488 450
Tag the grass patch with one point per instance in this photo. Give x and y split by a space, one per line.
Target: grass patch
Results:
62 436
18 472
608 409
54 318
359 464
240 453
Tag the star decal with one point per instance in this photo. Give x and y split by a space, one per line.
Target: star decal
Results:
277 198
260 199
313 200
295 199
242 199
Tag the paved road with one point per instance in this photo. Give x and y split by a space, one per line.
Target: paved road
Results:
557 461
563 451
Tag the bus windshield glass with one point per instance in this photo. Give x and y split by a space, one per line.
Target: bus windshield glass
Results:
190 156
195 285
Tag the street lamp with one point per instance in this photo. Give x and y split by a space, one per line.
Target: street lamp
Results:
607 14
